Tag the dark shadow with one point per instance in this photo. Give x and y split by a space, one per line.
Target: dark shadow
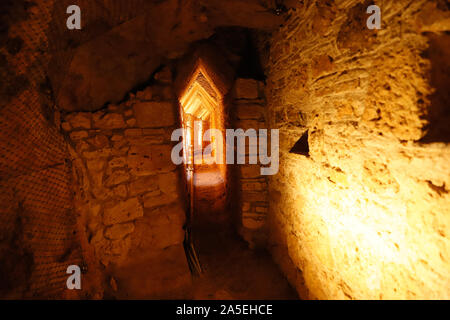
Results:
301 146
438 128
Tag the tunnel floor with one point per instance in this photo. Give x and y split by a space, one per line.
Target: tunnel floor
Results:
232 271
209 196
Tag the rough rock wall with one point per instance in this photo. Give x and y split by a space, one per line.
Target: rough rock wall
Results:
249 112
38 239
366 214
128 188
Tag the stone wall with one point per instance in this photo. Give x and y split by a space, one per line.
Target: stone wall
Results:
129 190
364 214
249 112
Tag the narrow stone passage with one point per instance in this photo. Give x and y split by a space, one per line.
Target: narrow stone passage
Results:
231 270
225 149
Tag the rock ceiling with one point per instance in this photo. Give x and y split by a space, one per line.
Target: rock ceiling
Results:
123 42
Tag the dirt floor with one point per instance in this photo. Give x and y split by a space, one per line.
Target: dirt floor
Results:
232 271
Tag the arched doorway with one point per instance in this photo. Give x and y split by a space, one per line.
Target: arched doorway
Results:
202 117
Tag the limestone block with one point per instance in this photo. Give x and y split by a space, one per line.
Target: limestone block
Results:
118 162
131 122
95 209
118 145
82 146
153 193
102 193
255 196
98 239
168 182
124 211
120 150
154 114
119 231
252 221
147 160
135 132
102 153
253 186
153 132
109 121
113 108
95 168
78 135
157 200
250 124
167 226
120 248
116 138
160 228
145 140
120 191
145 94
99 141
117 177
246 89
80 120
66 126
250 111
143 185
250 171
261 209
93 220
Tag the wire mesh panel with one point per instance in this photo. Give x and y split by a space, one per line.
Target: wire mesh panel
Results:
38 239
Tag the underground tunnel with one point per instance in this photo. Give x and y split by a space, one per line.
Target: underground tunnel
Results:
225 150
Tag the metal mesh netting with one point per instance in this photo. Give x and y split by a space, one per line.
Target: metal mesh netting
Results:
38 238
36 225
38 233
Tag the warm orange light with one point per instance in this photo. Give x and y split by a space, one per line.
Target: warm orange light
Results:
201 102
200 134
